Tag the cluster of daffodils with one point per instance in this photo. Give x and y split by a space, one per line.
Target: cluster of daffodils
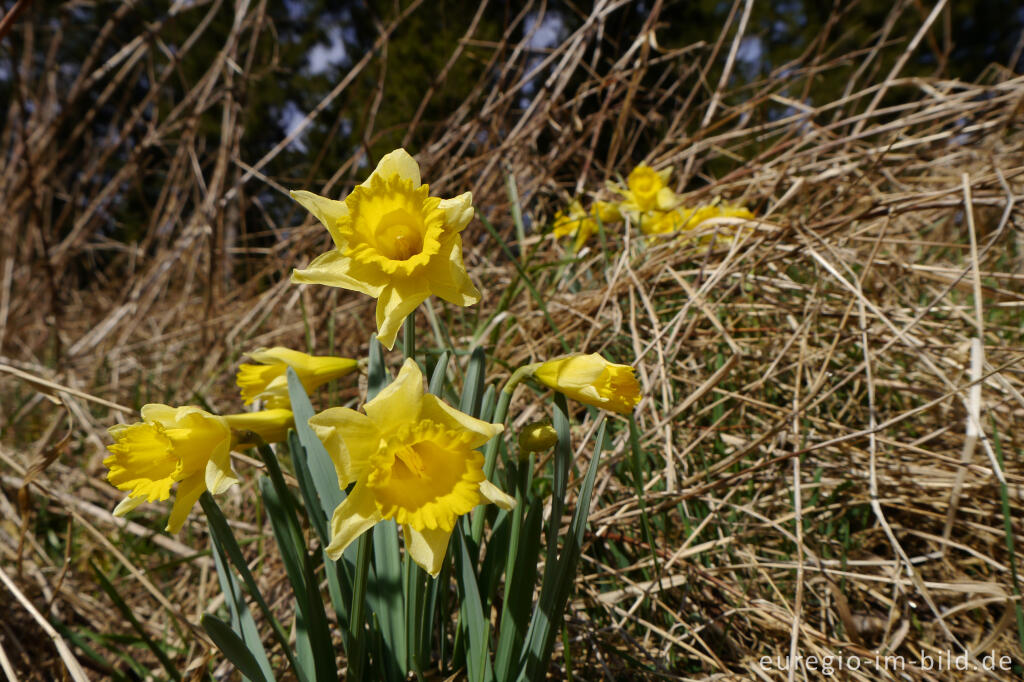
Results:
650 204
406 455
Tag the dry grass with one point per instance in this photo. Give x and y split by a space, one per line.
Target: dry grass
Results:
832 405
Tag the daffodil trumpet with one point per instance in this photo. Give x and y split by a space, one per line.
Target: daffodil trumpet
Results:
591 380
266 380
394 242
412 458
183 446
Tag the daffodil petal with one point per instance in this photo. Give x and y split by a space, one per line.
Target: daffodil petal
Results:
427 547
399 402
279 354
328 211
335 270
441 412
399 163
495 495
348 436
458 211
448 277
185 498
395 303
666 199
574 373
219 476
128 504
157 413
353 517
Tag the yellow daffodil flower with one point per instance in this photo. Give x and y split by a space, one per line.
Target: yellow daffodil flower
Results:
393 242
413 459
268 380
664 222
607 211
183 445
592 380
647 190
574 220
687 220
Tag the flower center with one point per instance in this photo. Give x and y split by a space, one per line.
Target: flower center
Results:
643 184
399 235
425 476
412 461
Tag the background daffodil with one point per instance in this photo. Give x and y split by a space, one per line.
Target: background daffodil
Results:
268 380
183 445
575 221
393 241
592 380
647 190
413 459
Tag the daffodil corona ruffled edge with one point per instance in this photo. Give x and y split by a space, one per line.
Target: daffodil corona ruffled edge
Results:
186 446
412 458
592 380
268 380
393 242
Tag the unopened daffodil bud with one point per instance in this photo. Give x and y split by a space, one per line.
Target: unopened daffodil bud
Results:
268 380
537 437
592 380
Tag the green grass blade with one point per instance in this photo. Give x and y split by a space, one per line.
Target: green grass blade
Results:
417 618
517 212
236 650
386 595
638 462
126 611
313 636
540 638
515 615
315 490
242 622
440 372
220 530
473 386
377 376
312 463
477 627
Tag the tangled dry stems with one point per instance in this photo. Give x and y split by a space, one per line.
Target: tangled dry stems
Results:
810 475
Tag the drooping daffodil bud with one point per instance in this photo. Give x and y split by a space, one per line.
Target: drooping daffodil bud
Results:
268 380
592 380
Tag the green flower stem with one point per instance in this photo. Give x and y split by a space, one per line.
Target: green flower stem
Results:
227 538
356 628
522 482
409 336
491 451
